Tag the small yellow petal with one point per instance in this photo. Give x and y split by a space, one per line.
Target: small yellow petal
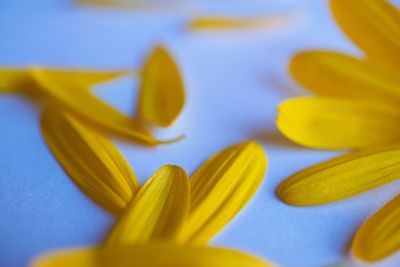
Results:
342 177
91 109
334 74
379 236
150 255
162 92
157 212
338 123
374 26
90 159
221 187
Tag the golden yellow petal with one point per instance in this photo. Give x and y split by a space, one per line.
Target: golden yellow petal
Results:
334 74
379 236
150 255
333 123
221 187
374 26
162 92
90 159
90 109
13 80
342 177
157 212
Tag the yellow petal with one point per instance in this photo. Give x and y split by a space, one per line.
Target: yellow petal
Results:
157 212
338 123
342 177
334 74
162 92
379 236
374 26
13 80
150 255
91 109
221 187
90 159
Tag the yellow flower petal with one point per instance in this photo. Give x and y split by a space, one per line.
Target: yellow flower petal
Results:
13 80
342 177
157 212
379 236
162 93
335 74
150 255
90 159
91 109
374 26
338 123
221 187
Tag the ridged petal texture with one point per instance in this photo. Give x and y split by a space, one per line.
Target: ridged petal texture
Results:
90 159
379 236
374 26
150 255
333 123
89 108
342 177
162 92
221 187
157 212
335 74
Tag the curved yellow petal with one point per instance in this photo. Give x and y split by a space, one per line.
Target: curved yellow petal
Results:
157 212
342 177
90 159
333 123
150 255
221 187
91 109
379 236
162 92
335 74
374 26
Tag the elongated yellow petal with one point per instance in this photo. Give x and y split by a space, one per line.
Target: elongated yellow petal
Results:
157 212
221 187
91 109
13 80
342 177
150 255
379 236
338 123
374 26
90 159
334 74
162 92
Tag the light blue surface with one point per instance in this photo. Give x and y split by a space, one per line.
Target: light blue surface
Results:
234 82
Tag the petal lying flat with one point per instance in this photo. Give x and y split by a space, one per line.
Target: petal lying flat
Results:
162 92
334 123
379 236
91 109
334 74
150 255
157 212
342 177
221 187
374 26
90 159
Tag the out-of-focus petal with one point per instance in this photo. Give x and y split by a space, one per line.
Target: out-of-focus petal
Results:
90 159
342 177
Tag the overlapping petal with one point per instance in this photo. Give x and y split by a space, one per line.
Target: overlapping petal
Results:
162 92
338 123
342 177
221 187
90 159
379 236
150 255
374 26
157 212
